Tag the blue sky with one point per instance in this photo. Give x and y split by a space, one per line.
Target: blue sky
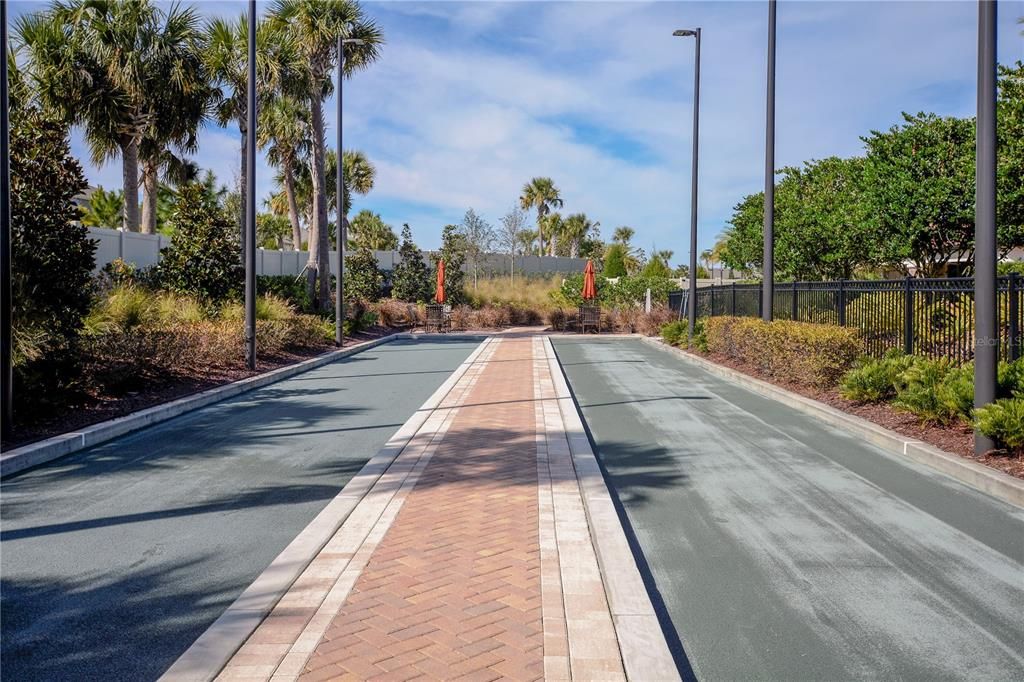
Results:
472 99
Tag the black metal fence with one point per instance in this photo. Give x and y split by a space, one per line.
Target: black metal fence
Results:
932 317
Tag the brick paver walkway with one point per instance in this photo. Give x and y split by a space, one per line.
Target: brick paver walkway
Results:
470 558
454 588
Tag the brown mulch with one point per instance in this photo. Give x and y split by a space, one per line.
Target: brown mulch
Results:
95 407
956 438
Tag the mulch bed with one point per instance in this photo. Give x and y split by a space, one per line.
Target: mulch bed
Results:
97 407
957 439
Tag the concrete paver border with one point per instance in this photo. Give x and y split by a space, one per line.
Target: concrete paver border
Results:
645 652
208 655
995 483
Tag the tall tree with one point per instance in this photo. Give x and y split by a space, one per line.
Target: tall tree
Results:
315 26
411 275
368 231
453 252
478 236
226 56
920 177
177 112
113 66
541 194
509 237
576 230
284 133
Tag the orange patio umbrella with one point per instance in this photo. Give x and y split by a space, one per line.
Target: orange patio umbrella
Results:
589 285
439 295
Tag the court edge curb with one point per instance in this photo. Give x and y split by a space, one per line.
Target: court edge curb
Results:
642 644
978 476
34 454
211 651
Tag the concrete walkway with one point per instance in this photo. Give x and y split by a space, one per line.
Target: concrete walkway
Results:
473 555
784 549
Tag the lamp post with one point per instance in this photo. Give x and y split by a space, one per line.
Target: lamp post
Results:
250 198
986 340
6 338
341 233
692 307
768 274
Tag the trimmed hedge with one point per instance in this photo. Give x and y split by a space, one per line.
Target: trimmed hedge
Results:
810 354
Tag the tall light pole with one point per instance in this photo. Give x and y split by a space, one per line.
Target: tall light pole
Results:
250 198
340 232
6 337
986 340
768 271
692 307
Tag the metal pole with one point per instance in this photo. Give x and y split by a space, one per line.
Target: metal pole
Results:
339 281
6 337
768 276
985 336
693 187
250 198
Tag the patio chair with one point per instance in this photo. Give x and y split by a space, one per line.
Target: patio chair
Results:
589 316
439 318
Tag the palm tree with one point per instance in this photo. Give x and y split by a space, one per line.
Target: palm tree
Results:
551 225
111 65
105 208
369 231
315 26
575 230
226 55
623 235
284 133
177 112
542 194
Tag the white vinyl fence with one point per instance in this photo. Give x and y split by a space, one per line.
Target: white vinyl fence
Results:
144 250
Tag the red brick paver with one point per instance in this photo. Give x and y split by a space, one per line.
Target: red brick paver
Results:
453 590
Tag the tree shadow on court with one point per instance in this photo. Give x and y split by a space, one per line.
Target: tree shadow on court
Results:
99 627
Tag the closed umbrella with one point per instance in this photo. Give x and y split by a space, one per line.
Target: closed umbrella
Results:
439 296
589 285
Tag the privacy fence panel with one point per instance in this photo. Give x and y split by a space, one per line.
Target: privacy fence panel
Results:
931 317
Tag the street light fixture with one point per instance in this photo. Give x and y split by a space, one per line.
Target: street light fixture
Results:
692 296
768 269
6 358
986 338
340 232
250 198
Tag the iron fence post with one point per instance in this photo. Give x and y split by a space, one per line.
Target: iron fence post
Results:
712 300
1012 313
841 312
908 316
793 317
734 299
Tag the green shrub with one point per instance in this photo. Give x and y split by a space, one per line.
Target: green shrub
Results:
875 380
810 354
363 279
615 261
675 333
955 394
287 287
52 259
1003 421
204 259
918 391
1010 379
678 334
411 277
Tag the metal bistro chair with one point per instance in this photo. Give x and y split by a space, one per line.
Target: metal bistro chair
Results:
439 318
589 316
